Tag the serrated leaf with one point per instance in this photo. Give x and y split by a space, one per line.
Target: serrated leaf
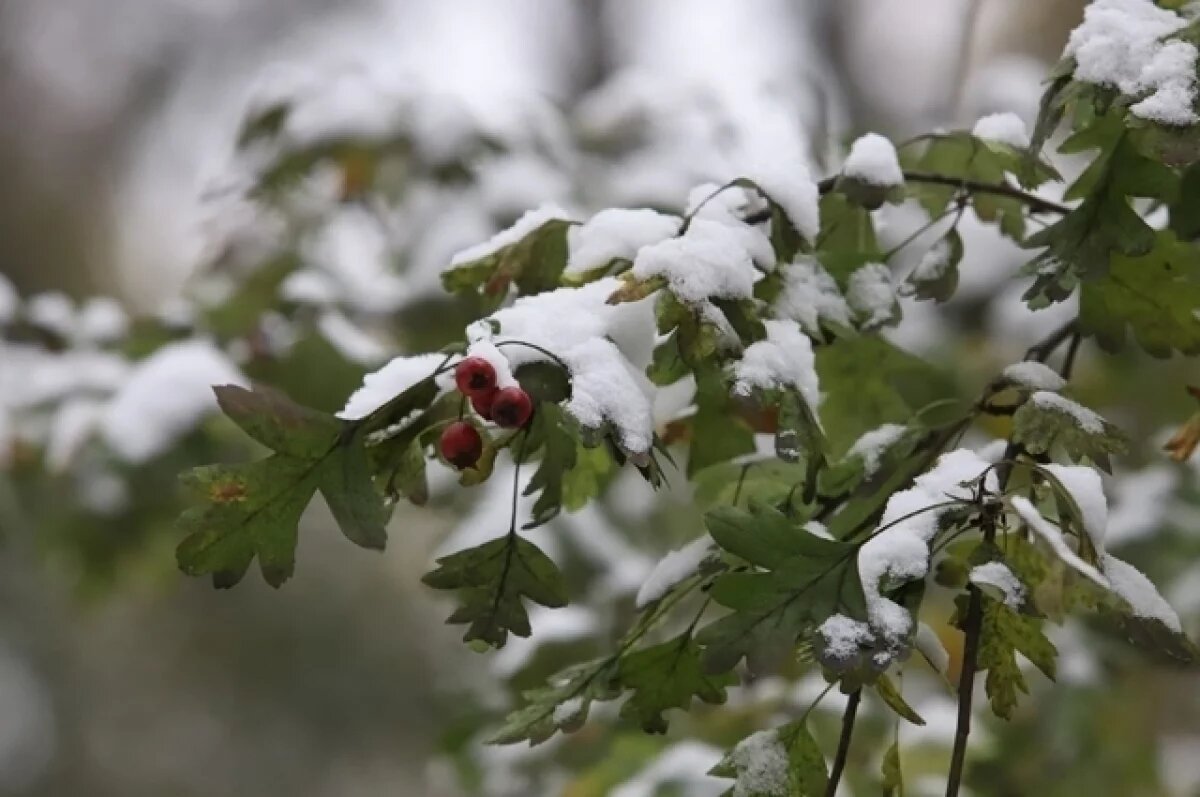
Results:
279 423
717 434
808 579
1040 426
1003 634
1155 296
493 581
534 264
561 705
783 762
667 676
936 275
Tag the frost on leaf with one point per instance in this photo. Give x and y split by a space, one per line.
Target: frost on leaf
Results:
781 762
1049 422
530 254
615 234
811 296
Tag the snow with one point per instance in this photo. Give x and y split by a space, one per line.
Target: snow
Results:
1002 128
565 624
1054 537
615 233
1120 44
933 264
52 311
567 710
784 359
101 320
73 424
929 645
844 636
899 550
309 286
870 295
762 765
1084 486
810 295
391 380
354 250
1135 589
873 160
165 397
531 221
870 447
487 350
1033 375
1086 419
1140 503
1001 581
788 183
605 347
709 261
672 569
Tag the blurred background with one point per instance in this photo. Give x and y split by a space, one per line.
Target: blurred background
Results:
122 177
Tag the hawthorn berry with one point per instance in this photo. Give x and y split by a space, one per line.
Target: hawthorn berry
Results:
482 403
475 375
461 444
511 408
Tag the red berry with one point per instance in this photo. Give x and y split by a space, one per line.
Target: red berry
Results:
482 403
461 444
511 408
475 375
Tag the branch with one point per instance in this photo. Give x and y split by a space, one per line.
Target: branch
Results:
843 750
972 628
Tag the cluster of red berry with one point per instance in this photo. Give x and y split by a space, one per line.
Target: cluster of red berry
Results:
508 408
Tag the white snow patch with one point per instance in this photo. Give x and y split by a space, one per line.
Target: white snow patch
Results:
53 311
784 359
873 160
996 579
933 264
101 320
568 710
1054 537
789 185
709 261
810 295
871 296
899 550
528 223
762 765
1087 420
165 397
1084 486
844 636
1120 44
1033 375
929 645
1132 586
350 340
615 233
672 569
1003 128
391 380
683 764
871 446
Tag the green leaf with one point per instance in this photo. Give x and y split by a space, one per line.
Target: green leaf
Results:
534 264
936 276
783 762
552 435
667 676
560 705
717 434
868 382
251 510
1041 426
493 580
1156 296
1004 633
806 579
274 420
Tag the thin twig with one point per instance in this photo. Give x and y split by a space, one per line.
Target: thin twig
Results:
972 627
962 65
843 750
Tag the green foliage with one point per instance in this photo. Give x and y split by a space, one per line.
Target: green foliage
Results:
665 676
1042 427
1004 634
493 580
802 581
533 264
783 762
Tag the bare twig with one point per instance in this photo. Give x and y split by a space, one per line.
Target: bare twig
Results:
843 750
